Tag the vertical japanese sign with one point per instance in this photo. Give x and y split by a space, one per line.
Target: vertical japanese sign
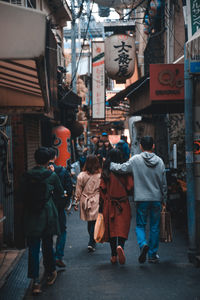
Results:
98 80
193 9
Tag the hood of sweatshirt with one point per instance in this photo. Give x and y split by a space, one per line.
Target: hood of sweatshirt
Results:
150 159
39 173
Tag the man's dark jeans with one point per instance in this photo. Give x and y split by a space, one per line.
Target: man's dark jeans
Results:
33 255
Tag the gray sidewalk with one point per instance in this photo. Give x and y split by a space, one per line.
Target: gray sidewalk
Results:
91 276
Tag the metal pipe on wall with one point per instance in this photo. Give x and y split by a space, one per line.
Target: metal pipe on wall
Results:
191 203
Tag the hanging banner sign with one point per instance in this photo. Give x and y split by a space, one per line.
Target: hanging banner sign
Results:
98 80
193 12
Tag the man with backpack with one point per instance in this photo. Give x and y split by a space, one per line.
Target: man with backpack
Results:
40 216
61 203
123 147
150 192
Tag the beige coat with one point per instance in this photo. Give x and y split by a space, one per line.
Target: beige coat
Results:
87 195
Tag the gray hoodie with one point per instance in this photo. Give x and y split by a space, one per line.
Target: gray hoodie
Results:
149 176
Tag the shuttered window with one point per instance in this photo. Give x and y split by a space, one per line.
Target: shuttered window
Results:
33 139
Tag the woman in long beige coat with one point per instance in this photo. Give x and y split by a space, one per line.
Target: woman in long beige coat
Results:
87 196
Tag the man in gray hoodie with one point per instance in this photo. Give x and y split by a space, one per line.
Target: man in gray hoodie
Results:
150 193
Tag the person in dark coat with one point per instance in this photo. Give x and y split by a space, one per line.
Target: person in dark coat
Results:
99 151
61 203
115 206
40 219
106 148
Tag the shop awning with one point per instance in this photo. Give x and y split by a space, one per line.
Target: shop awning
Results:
23 75
69 99
127 92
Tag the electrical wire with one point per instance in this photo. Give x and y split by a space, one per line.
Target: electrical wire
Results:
136 6
83 43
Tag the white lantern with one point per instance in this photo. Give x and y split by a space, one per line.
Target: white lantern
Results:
120 56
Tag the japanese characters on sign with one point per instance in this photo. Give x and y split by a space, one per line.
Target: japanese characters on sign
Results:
193 12
98 80
166 82
120 56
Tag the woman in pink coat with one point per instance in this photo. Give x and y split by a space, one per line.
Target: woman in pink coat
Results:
87 196
115 206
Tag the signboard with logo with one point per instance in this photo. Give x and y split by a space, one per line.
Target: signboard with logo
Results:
98 80
166 82
193 12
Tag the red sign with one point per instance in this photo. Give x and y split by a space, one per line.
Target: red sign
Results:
167 82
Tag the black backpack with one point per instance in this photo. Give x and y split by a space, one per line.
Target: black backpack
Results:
35 191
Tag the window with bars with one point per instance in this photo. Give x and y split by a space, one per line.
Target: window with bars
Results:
26 3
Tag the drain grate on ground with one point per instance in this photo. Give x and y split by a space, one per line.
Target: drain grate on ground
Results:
17 283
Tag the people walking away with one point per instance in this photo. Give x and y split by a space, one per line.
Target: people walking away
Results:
87 196
99 151
40 216
115 206
150 193
123 146
61 204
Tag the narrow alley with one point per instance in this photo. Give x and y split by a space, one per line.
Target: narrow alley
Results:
91 275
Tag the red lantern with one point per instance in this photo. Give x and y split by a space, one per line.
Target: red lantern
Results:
62 143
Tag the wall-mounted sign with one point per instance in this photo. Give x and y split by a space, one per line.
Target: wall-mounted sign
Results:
98 80
167 82
120 56
193 53
193 12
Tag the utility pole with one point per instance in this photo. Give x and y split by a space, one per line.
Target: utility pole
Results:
73 47
189 117
89 79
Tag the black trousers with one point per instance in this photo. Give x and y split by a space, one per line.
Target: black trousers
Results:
91 225
114 242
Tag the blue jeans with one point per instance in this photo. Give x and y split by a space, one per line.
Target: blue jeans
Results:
61 239
33 255
153 209
60 245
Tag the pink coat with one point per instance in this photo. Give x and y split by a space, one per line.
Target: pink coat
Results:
87 195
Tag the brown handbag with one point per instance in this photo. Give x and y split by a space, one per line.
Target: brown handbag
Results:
99 229
165 226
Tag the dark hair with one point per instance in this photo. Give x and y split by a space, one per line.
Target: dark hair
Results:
123 137
115 156
107 141
53 152
42 156
147 143
92 165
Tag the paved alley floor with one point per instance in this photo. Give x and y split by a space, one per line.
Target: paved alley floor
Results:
91 276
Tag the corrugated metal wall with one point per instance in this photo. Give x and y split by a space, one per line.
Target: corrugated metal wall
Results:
33 139
6 183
